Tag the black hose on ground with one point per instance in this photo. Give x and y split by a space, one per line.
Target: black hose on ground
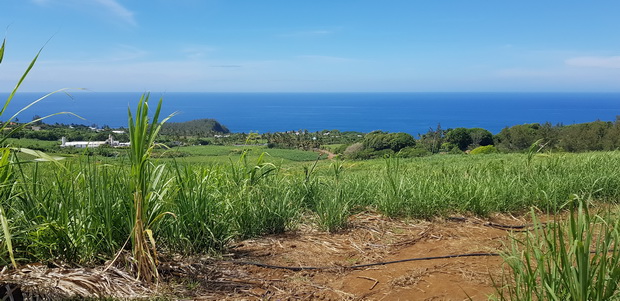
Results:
359 266
456 219
499 226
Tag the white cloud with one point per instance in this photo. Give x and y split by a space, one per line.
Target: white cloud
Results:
118 10
109 7
595 61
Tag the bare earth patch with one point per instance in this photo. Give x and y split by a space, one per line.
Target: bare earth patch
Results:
371 238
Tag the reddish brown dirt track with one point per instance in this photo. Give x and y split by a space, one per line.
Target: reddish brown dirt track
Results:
370 238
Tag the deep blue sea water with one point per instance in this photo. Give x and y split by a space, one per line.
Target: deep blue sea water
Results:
395 112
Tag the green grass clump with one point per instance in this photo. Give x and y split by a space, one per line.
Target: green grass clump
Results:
573 259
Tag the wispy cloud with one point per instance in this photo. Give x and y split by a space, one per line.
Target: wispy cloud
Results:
118 10
109 7
612 62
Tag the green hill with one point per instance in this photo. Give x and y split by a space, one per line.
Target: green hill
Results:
198 127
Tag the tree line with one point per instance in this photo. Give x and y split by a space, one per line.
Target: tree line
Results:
591 136
582 137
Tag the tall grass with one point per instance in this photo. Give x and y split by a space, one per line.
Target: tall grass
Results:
573 259
7 183
84 211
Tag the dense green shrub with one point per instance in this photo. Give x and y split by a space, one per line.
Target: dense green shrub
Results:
456 151
353 148
413 152
447 147
340 149
520 137
399 141
367 154
379 140
487 149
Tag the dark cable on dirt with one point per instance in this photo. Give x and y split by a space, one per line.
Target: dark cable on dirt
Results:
519 228
359 266
500 226
523 228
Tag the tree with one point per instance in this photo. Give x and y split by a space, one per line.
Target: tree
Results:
398 141
518 137
433 139
37 120
375 140
460 137
480 137
379 140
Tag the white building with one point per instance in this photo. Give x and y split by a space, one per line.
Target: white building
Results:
89 144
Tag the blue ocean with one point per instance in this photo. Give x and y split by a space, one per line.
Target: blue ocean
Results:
413 113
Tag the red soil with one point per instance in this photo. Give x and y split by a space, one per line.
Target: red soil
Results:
370 238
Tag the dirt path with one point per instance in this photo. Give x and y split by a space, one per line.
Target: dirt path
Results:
371 238
329 154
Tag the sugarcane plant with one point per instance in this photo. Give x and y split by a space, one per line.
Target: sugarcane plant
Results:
142 134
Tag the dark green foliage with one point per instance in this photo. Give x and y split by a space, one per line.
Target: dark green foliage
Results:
413 152
519 137
447 147
379 144
480 137
460 137
376 140
198 128
591 136
399 141
455 151
393 141
366 154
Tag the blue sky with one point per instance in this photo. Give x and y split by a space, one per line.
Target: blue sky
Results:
313 46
